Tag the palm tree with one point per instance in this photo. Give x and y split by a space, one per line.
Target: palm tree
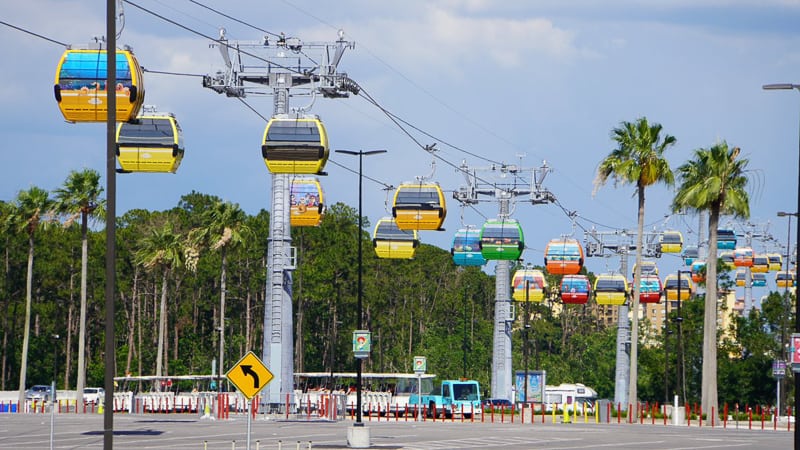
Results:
224 228
6 230
713 181
32 208
638 160
161 248
79 197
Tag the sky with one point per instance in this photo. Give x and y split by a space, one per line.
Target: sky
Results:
517 82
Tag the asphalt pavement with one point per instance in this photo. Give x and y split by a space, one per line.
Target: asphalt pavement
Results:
140 432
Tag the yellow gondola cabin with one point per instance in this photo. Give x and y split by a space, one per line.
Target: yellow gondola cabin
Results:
536 282
610 289
671 242
392 242
306 202
671 287
80 85
775 262
295 145
760 264
419 206
153 142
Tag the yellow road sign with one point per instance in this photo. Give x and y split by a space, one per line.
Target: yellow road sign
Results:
249 375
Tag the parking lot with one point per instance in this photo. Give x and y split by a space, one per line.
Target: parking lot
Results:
28 431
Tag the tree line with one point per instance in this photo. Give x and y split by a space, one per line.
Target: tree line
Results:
184 272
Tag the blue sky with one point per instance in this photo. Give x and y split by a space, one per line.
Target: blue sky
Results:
544 79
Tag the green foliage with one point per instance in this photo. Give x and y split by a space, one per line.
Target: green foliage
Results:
425 306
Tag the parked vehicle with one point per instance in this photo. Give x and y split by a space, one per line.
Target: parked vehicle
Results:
497 403
93 395
570 396
453 398
39 392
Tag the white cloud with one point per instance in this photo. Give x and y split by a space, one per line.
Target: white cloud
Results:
440 39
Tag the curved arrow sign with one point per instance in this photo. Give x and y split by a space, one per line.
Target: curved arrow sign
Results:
249 375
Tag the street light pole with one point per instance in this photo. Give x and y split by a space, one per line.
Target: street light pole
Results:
680 388
786 303
359 312
790 86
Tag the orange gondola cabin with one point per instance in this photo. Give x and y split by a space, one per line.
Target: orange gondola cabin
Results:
743 257
563 256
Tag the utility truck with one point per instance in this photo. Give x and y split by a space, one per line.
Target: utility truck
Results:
453 398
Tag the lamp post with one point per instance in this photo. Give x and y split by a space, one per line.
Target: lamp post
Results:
786 303
790 86
55 337
359 324
680 387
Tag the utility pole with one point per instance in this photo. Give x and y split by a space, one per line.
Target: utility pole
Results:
280 66
503 192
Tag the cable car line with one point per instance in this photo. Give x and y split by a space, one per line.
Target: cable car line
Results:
234 19
393 117
397 120
217 41
411 82
34 34
280 36
266 119
163 72
387 186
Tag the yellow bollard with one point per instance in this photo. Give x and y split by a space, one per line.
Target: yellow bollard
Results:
566 414
596 412
99 408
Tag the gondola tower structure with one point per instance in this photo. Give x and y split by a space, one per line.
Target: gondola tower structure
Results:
278 65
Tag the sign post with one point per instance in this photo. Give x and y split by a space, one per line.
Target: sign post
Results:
795 352
249 375
778 371
420 366
362 343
